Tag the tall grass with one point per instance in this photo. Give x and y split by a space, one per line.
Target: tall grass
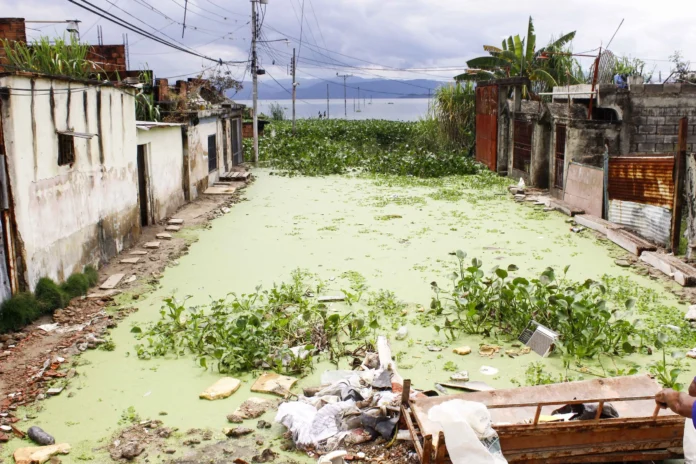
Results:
277 112
451 118
60 58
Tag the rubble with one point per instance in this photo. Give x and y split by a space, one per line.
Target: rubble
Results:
39 454
270 382
221 389
252 408
237 432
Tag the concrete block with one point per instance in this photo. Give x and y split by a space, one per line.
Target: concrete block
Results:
164 236
565 208
667 129
657 120
138 253
683 274
151 245
629 241
645 147
175 222
654 88
647 129
112 281
673 87
596 223
173 228
130 261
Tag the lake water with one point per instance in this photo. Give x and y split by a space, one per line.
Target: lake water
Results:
396 109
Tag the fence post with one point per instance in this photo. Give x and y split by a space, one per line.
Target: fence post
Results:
679 171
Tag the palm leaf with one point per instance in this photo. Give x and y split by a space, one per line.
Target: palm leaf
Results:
543 76
487 62
531 40
491 49
511 44
479 75
505 47
562 41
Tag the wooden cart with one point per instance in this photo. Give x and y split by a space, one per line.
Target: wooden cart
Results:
641 432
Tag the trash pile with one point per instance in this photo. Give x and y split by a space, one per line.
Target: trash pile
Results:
350 408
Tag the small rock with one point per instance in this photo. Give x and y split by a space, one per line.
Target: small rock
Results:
4 438
262 424
82 346
192 441
131 450
622 263
164 432
208 435
169 451
266 456
259 441
462 350
38 436
237 432
691 313
163 413
235 419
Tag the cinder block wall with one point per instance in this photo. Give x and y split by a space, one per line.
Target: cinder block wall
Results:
655 113
108 57
12 29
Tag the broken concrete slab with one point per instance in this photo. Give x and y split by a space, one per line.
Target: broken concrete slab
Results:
596 223
175 222
151 245
54 391
629 241
100 295
682 273
221 389
164 236
130 261
220 190
273 383
39 454
172 229
112 281
565 208
252 408
138 253
330 298
462 350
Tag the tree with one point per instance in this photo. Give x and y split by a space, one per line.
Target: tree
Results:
681 70
547 67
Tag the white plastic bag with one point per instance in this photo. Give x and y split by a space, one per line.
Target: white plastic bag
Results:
689 442
465 424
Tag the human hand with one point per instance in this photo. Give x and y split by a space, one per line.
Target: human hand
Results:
692 388
665 398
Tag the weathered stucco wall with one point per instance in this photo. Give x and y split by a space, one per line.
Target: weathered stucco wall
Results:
72 215
199 175
165 163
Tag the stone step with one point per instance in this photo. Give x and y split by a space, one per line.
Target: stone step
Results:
629 241
112 281
596 223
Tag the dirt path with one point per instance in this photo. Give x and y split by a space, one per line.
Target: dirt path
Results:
30 358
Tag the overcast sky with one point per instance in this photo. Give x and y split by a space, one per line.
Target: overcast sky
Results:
382 33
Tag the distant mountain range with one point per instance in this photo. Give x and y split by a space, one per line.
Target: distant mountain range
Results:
316 88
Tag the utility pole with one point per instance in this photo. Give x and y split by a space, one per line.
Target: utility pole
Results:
345 95
294 89
255 80
358 98
328 109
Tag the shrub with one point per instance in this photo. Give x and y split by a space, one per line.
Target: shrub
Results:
49 295
18 311
76 285
92 275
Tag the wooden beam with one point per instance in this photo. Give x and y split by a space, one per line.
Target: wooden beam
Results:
679 172
427 449
441 448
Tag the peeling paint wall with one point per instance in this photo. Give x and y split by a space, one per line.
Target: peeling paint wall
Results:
72 215
199 176
165 158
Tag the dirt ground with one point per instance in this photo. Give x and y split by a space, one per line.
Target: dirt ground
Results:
31 359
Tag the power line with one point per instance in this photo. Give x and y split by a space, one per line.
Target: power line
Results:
311 5
368 90
144 4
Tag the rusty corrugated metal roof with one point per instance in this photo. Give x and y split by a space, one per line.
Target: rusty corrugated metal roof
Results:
642 179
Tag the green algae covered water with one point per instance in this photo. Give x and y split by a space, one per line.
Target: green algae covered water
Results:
396 234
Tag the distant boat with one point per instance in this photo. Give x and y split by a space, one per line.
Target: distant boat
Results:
390 103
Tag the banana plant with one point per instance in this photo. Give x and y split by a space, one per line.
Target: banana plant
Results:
518 57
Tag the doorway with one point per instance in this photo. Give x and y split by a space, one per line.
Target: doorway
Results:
142 184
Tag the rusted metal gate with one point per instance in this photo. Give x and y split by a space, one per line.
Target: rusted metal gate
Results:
487 125
559 161
641 194
522 148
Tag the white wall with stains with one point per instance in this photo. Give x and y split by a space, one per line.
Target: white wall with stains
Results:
73 215
165 164
200 177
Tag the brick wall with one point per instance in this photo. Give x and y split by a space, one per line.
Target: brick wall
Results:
108 57
655 114
12 29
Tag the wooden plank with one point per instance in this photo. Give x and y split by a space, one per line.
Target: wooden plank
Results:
584 188
596 223
629 241
679 174
653 259
427 449
681 272
112 281
441 448
565 208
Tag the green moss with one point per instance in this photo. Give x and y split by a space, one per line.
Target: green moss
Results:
49 295
18 311
76 285
92 275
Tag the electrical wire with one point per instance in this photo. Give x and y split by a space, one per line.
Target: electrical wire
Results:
366 90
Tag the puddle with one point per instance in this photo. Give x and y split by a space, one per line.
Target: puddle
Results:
327 226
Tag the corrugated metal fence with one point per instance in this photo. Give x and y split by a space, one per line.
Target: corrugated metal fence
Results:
641 193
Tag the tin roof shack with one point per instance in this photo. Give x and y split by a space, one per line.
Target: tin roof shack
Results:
71 180
161 179
212 135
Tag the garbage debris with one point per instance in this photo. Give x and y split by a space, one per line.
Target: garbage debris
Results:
468 432
474 386
252 408
587 411
34 454
462 350
273 383
577 230
351 407
435 349
223 388
488 350
488 370
335 457
38 436
462 376
539 338
402 333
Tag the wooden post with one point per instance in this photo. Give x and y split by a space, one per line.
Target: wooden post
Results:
427 449
679 172
406 392
441 448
